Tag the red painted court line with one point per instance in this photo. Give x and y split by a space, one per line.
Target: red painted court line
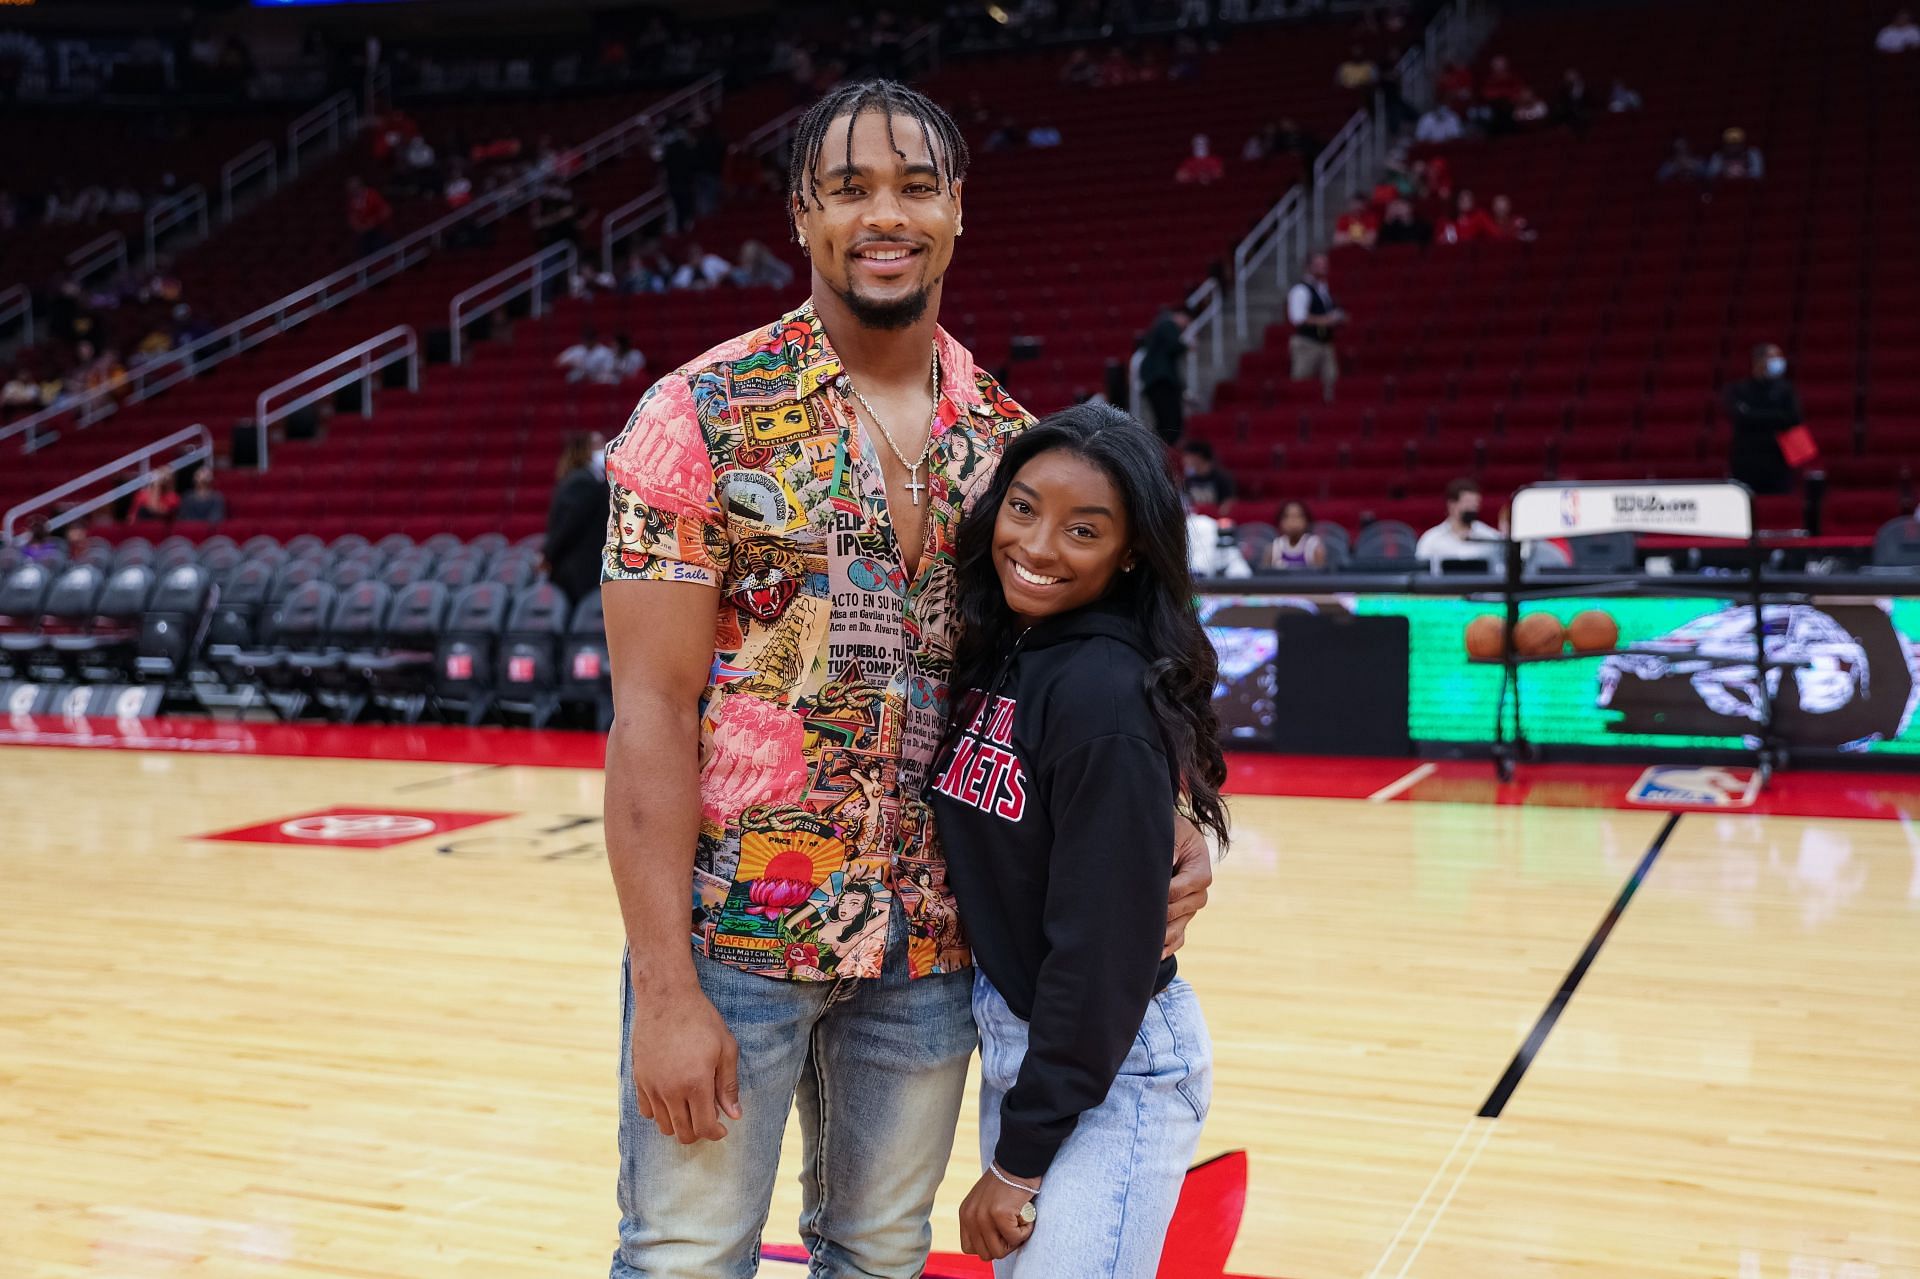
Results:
1308 776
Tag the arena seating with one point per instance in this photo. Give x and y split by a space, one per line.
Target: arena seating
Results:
1598 351
1076 247
461 630
255 248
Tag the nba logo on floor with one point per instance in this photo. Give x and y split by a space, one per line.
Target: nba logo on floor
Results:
1668 787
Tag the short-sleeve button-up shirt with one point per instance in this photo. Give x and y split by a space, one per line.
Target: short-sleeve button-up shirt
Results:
748 470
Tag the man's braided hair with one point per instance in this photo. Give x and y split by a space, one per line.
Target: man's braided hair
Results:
889 98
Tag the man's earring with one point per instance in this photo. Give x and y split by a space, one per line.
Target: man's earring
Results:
960 230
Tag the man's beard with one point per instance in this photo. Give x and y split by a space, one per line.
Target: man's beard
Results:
902 313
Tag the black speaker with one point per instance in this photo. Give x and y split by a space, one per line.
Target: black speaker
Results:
1340 685
305 424
439 345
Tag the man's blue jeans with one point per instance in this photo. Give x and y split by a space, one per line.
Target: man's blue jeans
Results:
878 1067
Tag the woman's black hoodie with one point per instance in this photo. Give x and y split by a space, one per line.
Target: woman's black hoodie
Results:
1055 801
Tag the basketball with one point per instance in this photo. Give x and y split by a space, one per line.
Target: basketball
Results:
1593 631
1539 635
1486 638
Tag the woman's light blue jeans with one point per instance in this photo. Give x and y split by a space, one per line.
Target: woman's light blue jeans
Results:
1106 1201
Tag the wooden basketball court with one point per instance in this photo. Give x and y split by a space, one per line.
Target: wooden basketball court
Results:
362 1037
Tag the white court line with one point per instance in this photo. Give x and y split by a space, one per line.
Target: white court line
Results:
1403 783
1459 1180
1421 1202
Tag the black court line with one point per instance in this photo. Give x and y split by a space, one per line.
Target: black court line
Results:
1502 1091
448 778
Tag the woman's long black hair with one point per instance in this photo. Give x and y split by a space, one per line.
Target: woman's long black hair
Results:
1158 592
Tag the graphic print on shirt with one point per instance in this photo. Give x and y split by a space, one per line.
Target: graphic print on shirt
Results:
747 471
984 772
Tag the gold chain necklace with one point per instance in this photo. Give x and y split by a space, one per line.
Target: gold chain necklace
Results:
914 487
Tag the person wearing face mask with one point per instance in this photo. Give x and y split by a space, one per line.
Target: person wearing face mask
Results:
1762 408
577 517
1461 536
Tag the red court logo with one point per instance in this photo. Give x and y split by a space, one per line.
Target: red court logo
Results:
355 827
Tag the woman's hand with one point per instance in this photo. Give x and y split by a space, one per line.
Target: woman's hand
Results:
1192 876
990 1225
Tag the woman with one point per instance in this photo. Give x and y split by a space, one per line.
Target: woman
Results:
1297 547
1086 713
158 501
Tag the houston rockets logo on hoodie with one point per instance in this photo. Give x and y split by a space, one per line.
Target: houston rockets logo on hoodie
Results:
984 772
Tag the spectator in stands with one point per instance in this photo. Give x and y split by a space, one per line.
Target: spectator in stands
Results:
646 271
1206 482
1358 73
1574 107
1358 227
1297 548
1201 167
1506 225
557 217
38 542
701 270
1401 226
203 504
1501 94
1461 536
1902 35
419 166
679 163
74 536
1163 371
589 359
1079 71
709 168
1529 110
1469 222
1044 137
1681 164
1455 87
759 269
1736 161
1622 100
1315 318
1213 551
1009 136
160 500
157 343
577 517
628 362
1760 408
368 214
21 395
1440 124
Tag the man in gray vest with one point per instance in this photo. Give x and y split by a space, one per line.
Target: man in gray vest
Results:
1314 317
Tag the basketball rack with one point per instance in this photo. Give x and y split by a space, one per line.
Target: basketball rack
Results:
1720 510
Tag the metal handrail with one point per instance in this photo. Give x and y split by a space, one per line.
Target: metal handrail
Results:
1275 236
336 119
1337 157
185 206
1204 305
16 303
141 458
96 254
361 363
349 281
652 203
530 275
258 159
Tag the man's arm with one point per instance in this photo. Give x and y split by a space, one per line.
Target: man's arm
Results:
660 639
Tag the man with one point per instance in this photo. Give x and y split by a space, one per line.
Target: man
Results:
1681 164
1461 536
1358 227
1440 124
1314 317
203 504
1201 167
1206 483
1402 227
368 214
1735 160
577 517
588 360
1761 408
1902 35
778 586
1163 372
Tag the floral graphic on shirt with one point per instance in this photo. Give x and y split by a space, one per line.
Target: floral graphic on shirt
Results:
748 471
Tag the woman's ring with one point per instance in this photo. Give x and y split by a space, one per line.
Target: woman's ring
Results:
1028 1213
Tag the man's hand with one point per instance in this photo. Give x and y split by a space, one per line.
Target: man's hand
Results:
1192 876
990 1225
685 1065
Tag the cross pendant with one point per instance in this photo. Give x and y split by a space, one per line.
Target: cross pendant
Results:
914 486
